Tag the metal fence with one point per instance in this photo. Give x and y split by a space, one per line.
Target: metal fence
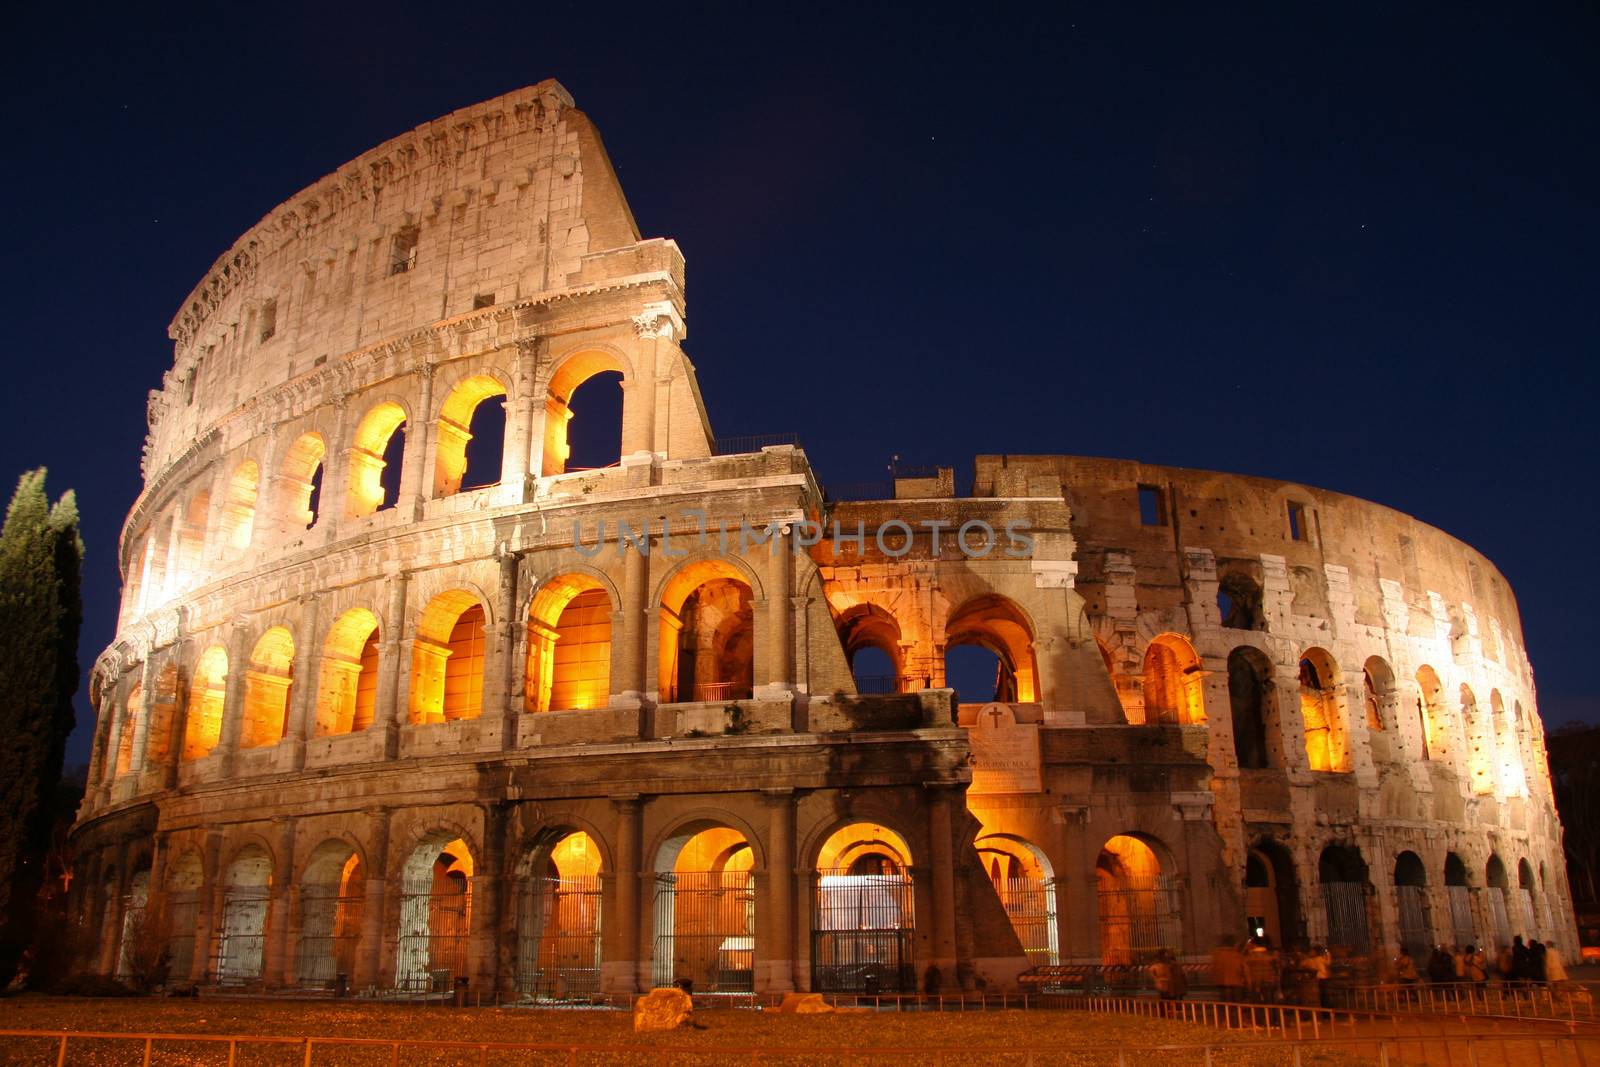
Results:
1030 904
558 938
1415 933
183 918
242 940
1462 928
1138 921
1346 907
330 927
863 933
705 930
754 442
432 948
1563 1000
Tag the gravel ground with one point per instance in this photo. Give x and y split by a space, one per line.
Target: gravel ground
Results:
958 1039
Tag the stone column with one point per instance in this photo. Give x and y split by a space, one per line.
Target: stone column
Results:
155 905
369 966
620 971
302 716
233 702
942 861
393 668
777 970
517 459
178 728
333 504
416 474
488 903
636 627
206 935
1079 903
779 676
141 725
276 967
500 707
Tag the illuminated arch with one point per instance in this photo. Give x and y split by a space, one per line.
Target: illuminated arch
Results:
302 482
332 898
705 907
207 702
133 710
447 662
267 681
435 910
1025 882
239 508
1320 713
707 633
1508 751
455 430
1377 684
868 626
375 434
1137 904
347 693
1432 716
570 373
1174 683
1480 743
569 645
558 916
189 547
246 887
1254 704
998 624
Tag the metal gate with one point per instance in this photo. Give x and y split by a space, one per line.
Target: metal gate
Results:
1502 922
1137 921
242 939
1415 934
134 937
558 937
705 930
432 947
1031 905
183 915
863 933
1530 921
1462 927
330 926
1346 907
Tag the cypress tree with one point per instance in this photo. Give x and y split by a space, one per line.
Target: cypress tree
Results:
41 610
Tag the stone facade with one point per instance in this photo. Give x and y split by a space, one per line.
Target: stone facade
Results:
371 712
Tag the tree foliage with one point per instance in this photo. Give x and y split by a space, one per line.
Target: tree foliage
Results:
41 610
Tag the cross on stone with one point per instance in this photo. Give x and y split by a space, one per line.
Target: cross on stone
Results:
994 717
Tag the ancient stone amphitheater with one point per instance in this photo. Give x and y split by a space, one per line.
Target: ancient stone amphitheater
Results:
399 699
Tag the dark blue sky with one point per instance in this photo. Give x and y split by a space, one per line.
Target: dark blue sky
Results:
1350 245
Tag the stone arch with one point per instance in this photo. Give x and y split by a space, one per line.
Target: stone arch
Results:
999 625
569 643
864 911
246 887
1321 713
332 900
1510 775
435 910
208 692
189 540
159 739
303 474
347 692
1253 700
567 374
448 658
268 679
1240 602
1346 888
373 486
1138 906
706 631
705 905
1458 894
869 626
1377 684
1272 893
1025 881
185 883
1174 682
458 416
238 520
1480 743
1432 716
133 711
558 914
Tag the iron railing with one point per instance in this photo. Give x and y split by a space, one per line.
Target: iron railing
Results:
558 938
705 930
754 442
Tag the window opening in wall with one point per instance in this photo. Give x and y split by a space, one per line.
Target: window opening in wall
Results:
1152 507
1298 530
482 300
314 503
393 454
594 435
269 319
403 252
486 448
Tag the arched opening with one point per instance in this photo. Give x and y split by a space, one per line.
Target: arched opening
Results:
163 717
705 910
1345 886
569 646
267 684
243 930
239 508
154 577
190 549
1377 684
1459 894
447 660
871 640
332 895
594 438
1494 876
1174 683
1137 903
1026 885
1411 901
1529 911
302 481
1000 627
1480 744
1239 602
185 880
1508 752
137 946
863 926
375 460
132 711
435 915
1431 715
594 425
472 427
347 694
1254 706
707 647
207 701
1319 711
558 918
1272 895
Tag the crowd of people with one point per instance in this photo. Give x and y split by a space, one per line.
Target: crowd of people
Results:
1254 970
1534 963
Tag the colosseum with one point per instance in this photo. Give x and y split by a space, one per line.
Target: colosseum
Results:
400 700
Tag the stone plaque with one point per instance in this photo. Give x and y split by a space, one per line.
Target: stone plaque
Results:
1006 752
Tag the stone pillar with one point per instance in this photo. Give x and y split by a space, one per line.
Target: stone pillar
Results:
306 681
488 904
333 504
620 971
499 705
233 702
369 965
1079 902
942 863
776 973
205 938
276 967
393 668
517 460
178 728
416 473
141 725
778 678
636 627
156 901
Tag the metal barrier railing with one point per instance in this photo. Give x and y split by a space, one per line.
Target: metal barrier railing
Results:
1569 1000
1498 1050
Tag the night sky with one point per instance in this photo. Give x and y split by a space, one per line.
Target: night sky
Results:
1350 246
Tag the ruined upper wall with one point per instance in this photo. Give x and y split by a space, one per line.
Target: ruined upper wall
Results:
494 203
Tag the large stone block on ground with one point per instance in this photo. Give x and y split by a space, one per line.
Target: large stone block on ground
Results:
662 1009
805 1004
